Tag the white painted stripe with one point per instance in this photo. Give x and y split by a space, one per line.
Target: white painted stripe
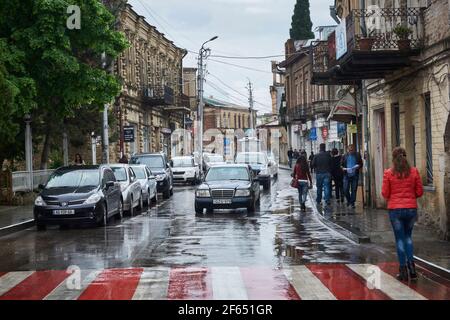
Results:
69 289
376 278
12 279
307 285
153 284
227 284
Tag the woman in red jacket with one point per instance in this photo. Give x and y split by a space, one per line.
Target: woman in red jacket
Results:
401 188
303 176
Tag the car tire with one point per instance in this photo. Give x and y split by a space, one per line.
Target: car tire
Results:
131 208
41 227
119 215
104 218
198 210
149 199
166 194
171 191
266 185
252 208
155 198
140 206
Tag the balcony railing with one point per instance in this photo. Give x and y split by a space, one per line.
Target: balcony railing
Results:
158 95
373 47
300 112
323 107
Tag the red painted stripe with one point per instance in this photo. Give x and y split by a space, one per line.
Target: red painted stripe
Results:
344 283
38 285
190 284
2 273
430 285
264 283
113 284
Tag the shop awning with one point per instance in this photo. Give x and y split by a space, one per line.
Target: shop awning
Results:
344 110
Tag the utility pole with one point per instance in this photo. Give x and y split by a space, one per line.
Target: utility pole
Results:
203 55
105 123
29 151
250 101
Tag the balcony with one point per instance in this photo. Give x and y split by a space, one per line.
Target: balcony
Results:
322 107
298 113
158 95
373 47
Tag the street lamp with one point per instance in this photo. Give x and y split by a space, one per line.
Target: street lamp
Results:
29 150
203 54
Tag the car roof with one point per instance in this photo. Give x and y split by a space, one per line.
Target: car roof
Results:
149 154
182 157
119 165
231 165
82 167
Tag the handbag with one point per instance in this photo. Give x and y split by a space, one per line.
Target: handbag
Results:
294 183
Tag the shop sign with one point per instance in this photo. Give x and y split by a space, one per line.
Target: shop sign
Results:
128 133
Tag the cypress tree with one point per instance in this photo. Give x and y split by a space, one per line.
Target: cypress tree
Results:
301 26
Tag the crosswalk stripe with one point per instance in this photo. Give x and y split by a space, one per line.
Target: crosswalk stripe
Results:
113 284
388 284
190 283
344 283
227 284
12 279
153 284
265 283
68 290
36 286
307 285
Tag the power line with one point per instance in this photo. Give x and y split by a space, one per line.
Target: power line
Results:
239 66
156 20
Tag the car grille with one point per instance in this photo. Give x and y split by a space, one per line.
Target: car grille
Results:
58 203
179 172
222 193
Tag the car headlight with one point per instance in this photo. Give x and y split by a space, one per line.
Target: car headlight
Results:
242 193
93 199
264 170
39 202
203 194
160 177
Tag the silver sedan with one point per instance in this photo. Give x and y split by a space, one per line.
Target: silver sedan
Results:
130 187
148 183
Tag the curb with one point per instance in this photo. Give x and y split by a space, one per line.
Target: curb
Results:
16 227
440 271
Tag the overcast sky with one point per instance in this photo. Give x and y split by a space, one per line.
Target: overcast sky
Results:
244 27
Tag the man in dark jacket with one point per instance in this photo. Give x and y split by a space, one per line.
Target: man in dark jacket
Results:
322 166
290 155
337 175
351 164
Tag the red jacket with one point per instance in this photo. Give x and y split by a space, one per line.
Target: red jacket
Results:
300 175
402 193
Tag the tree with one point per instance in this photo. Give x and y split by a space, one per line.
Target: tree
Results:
64 64
301 26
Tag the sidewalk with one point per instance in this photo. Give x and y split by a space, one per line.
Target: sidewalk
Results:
373 225
13 219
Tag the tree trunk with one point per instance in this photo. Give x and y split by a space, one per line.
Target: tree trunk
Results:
46 148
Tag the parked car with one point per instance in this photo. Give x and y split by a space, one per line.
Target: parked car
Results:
185 169
78 195
260 165
130 187
148 183
274 161
228 187
159 165
210 160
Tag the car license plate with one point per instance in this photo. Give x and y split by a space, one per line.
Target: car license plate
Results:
63 212
222 201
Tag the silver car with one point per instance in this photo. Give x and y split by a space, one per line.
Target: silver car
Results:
148 183
130 187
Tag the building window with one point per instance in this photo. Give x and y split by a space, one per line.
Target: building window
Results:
429 139
396 123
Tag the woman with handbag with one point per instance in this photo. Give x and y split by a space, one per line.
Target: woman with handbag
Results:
302 180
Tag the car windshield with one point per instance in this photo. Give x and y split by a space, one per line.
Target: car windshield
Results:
74 179
227 173
140 172
183 162
120 173
251 158
155 162
214 159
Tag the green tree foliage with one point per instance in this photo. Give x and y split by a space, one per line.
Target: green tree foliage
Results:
62 74
301 26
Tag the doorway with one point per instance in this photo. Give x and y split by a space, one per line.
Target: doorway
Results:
380 154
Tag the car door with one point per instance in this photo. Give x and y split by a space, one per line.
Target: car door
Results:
114 193
151 181
135 187
108 193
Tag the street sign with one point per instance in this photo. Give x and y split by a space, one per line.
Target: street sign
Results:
324 133
313 134
352 128
341 39
128 134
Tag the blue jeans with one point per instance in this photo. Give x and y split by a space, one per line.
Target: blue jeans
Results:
290 162
302 192
323 183
350 188
402 221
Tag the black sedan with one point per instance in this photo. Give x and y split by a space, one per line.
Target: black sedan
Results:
228 187
78 195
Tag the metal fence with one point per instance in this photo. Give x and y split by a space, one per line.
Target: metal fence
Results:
20 179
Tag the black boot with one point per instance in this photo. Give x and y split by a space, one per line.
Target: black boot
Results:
403 274
303 207
412 270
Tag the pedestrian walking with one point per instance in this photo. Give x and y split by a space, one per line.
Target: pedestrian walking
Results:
290 155
322 165
351 164
311 157
78 160
303 176
402 186
337 175
296 154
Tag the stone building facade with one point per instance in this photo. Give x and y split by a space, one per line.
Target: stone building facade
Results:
151 102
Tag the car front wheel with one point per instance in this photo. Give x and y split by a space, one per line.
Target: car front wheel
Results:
120 211
104 217
198 210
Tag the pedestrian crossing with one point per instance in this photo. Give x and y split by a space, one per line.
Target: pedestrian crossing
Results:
301 282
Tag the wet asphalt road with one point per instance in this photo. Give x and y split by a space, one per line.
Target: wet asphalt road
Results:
171 235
